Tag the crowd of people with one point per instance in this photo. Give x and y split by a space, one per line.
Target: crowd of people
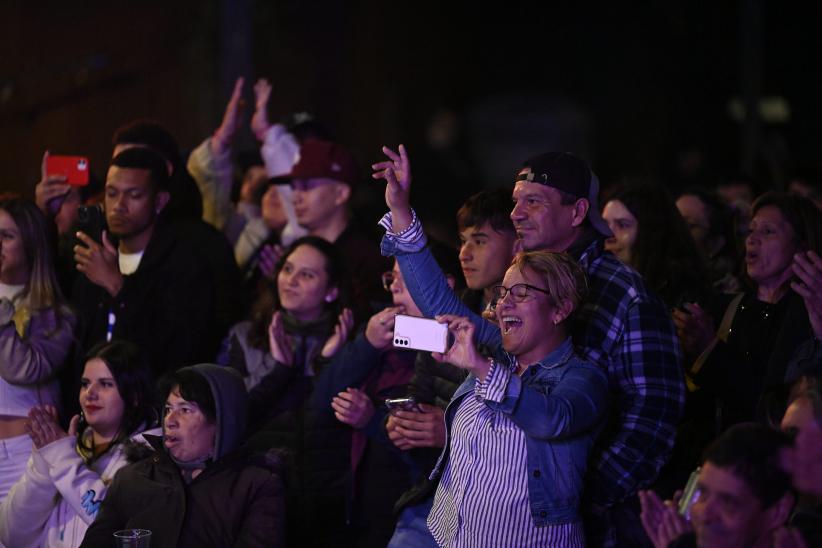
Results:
204 348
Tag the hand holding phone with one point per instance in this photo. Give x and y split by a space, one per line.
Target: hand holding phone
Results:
73 168
403 404
420 333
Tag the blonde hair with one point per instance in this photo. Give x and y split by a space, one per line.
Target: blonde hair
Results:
42 290
564 278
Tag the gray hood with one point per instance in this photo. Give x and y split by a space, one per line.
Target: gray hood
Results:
231 405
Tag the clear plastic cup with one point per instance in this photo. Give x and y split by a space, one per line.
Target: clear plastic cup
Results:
132 538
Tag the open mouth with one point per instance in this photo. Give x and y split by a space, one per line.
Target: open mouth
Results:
510 323
92 408
169 441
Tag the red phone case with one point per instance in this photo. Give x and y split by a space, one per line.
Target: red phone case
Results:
74 168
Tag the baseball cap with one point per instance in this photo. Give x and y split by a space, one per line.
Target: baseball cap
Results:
570 174
325 159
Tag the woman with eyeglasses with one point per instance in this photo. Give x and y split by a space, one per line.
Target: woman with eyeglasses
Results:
520 428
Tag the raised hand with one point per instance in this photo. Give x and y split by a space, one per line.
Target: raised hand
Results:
380 328
224 135
269 257
345 321
42 426
409 429
397 174
99 262
259 121
278 342
353 407
463 353
808 268
51 190
661 520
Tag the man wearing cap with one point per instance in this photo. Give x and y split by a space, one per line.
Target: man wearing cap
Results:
621 325
322 182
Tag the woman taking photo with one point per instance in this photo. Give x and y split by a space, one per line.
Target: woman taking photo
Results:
520 428
35 331
69 472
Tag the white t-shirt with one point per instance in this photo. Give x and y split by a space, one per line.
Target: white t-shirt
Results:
129 262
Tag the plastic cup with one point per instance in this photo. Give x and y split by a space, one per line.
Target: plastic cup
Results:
132 538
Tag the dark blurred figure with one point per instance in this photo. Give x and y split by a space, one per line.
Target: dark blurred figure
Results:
712 227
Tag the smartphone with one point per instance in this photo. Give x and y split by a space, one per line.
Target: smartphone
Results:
420 333
689 495
74 168
92 221
403 404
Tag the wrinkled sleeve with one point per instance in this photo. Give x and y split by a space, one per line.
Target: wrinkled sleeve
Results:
575 405
42 350
28 506
80 486
651 399
213 175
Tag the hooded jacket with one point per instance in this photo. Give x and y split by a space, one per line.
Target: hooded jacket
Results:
237 500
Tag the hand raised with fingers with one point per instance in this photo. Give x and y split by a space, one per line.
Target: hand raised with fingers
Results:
278 341
224 135
99 262
259 121
661 520
397 174
43 426
345 321
808 268
51 190
353 407
380 328
269 256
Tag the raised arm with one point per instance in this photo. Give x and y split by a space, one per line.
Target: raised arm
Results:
406 240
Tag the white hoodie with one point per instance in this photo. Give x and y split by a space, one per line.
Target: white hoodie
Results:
59 495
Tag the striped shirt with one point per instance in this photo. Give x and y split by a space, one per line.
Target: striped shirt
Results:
482 498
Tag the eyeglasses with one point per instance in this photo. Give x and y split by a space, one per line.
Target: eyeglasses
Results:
519 291
388 278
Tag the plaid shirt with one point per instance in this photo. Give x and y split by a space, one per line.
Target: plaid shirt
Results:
622 326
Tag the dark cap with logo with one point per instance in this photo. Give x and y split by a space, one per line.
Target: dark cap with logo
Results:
325 159
567 173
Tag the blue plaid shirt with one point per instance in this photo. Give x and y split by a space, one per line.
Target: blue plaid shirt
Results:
622 326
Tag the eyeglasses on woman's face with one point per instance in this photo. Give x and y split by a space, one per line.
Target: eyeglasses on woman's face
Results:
519 292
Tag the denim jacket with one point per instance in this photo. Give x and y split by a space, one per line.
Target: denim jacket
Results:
558 403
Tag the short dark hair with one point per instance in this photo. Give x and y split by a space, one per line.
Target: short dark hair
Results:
487 206
751 451
151 134
449 262
129 367
193 387
144 158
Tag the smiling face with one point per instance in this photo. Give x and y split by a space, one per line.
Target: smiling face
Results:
769 248
541 220
727 514
303 283
485 255
187 434
529 328
14 268
625 228
100 399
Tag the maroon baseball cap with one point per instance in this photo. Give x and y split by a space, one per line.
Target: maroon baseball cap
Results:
571 175
325 159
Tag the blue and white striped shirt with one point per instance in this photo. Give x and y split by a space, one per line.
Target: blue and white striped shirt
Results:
482 498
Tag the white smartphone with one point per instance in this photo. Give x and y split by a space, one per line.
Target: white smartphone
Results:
424 334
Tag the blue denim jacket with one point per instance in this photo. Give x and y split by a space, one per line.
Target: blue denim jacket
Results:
558 403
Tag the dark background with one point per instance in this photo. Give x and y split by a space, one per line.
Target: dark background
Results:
639 89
